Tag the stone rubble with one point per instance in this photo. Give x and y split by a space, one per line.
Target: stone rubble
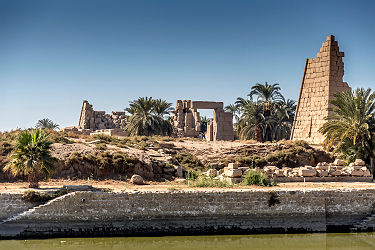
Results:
233 173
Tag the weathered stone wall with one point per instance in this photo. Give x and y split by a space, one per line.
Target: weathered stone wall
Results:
95 120
187 122
11 204
145 213
322 78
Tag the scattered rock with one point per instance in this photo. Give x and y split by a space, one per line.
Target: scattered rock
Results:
137 180
339 162
359 162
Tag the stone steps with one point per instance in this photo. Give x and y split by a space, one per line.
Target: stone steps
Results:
32 210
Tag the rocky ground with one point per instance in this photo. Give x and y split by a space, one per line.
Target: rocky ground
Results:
162 158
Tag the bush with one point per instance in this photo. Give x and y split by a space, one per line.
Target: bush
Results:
100 146
254 177
188 161
209 182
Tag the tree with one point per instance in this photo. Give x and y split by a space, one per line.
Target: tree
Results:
266 93
46 124
162 107
234 109
252 123
31 156
350 127
147 117
204 122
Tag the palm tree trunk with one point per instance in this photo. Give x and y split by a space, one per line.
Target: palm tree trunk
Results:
258 136
33 179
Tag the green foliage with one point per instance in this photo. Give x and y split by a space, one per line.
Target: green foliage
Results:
46 124
147 117
101 146
209 182
190 175
188 161
254 177
269 118
31 156
59 137
350 127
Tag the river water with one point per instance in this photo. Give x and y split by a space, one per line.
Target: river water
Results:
228 242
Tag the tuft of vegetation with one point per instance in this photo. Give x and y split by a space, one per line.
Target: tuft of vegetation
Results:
41 197
101 146
209 182
254 177
188 161
59 137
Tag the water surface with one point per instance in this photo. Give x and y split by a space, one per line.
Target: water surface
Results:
228 242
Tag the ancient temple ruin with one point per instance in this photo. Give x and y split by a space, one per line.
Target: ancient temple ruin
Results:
98 122
187 121
322 78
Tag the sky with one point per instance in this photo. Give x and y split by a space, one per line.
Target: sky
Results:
55 54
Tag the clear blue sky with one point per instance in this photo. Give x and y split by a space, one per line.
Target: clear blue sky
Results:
55 54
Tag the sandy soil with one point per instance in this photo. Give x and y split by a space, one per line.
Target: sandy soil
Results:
121 186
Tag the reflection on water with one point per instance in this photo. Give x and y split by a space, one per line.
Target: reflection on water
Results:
232 242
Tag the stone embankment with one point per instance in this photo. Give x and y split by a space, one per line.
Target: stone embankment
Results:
188 212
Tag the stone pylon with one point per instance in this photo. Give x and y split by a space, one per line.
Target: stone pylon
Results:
322 78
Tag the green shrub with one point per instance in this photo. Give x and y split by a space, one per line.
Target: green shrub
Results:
254 177
187 161
209 182
101 146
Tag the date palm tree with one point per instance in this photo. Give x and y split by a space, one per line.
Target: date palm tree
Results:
252 123
234 109
31 156
46 124
351 124
147 117
266 93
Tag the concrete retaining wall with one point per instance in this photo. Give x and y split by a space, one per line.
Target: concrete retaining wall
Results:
186 212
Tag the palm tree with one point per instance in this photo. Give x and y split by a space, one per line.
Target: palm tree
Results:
46 124
252 123
162 107
234 109
147 117
351 124
266 93
31 156
204 122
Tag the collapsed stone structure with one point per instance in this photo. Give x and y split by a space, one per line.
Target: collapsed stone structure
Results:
187 121
322 78
94 120
323 172
98 122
